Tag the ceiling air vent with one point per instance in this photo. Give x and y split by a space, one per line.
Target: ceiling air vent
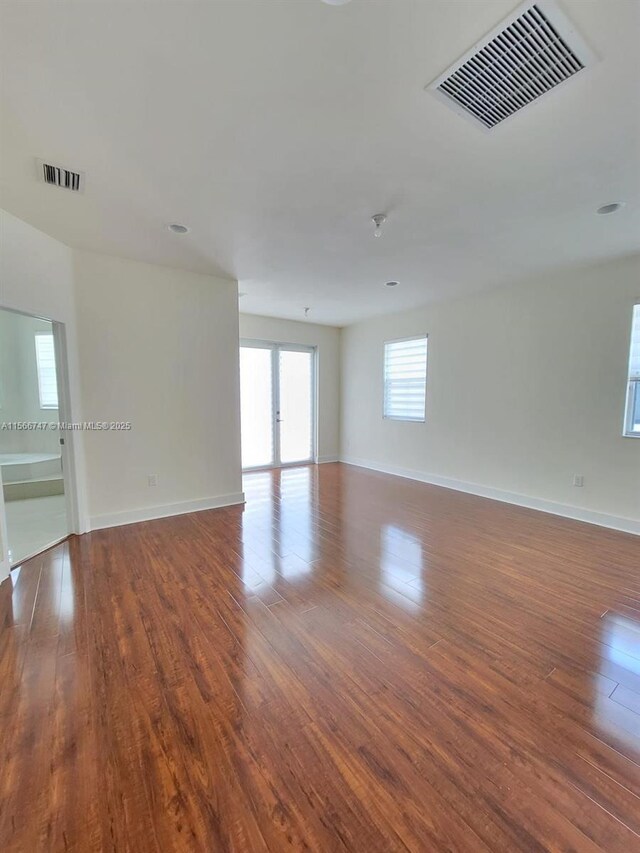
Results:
58 176
531 52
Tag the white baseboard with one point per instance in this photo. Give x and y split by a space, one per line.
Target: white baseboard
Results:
322 459
133 516
627 525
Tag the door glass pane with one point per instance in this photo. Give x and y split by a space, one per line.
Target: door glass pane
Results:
256 407
296 422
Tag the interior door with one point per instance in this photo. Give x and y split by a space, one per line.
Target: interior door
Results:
277 390
34 505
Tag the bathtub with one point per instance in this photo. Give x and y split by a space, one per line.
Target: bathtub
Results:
27 475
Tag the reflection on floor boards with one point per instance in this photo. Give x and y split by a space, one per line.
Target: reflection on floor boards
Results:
352 662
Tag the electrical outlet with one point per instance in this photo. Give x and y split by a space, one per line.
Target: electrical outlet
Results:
152 479
578 480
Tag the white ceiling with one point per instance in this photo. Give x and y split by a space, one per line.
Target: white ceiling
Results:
276 128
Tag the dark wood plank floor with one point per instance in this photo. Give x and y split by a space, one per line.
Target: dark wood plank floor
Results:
353 662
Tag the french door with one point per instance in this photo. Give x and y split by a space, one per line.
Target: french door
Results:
277 391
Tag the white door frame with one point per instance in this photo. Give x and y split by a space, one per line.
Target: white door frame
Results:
68 454
4 544
70 436
276 347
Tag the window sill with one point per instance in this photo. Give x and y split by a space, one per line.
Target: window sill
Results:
405 420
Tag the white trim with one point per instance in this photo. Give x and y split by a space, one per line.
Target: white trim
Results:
276 347
133 516
631 381
321 460
76 515
627 525
5 565
75 508
284 466
422 336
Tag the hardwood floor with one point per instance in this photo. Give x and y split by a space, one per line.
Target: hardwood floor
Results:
354 662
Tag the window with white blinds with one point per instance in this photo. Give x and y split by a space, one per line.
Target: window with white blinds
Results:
405 379
632 415
46 364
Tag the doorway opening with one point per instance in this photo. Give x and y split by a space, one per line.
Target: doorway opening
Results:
278 409
31 443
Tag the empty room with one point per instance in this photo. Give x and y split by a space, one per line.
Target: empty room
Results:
319 426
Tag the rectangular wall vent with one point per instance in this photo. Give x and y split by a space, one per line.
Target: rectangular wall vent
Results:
525 57
57 176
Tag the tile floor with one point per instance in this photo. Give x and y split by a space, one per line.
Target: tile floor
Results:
33 524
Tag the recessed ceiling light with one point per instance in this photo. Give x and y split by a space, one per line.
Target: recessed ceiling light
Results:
612 207
336 2
177 228
392 284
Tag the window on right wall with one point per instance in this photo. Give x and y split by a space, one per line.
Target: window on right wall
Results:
405 379
632 413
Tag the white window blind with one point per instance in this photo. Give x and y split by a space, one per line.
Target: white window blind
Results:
632 417
405 379
46 364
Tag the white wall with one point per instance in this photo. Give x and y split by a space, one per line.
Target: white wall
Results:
526 387
159 348
327 340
